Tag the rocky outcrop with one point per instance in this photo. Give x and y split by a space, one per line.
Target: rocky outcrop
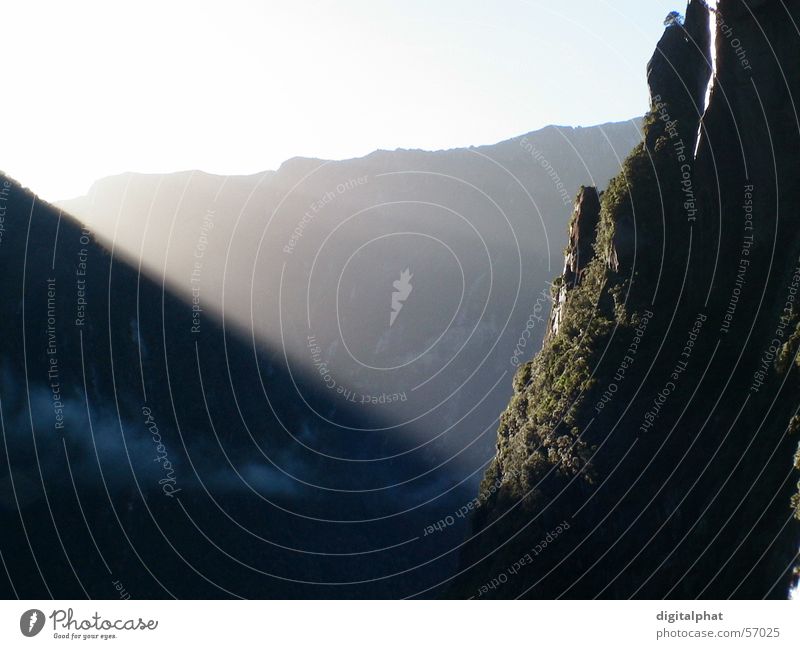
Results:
679 71
678 75
579 252
582 230
647 451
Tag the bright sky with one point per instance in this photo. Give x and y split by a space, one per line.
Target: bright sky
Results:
94 88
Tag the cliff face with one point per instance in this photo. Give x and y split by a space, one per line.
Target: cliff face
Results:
679 71
579 252
647 450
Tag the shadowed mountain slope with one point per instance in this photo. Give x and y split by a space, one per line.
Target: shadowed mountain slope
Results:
182 463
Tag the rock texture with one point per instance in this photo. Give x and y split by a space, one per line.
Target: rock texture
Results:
579 252
680 68
647 450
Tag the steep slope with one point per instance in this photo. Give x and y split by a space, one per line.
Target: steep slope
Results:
184 463
647 450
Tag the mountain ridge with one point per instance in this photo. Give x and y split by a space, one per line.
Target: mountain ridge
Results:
301 160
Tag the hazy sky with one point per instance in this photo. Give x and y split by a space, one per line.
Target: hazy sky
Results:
93 88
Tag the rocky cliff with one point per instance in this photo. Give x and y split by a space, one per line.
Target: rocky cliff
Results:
579 252
648 450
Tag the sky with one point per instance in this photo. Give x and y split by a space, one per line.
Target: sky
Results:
95 88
